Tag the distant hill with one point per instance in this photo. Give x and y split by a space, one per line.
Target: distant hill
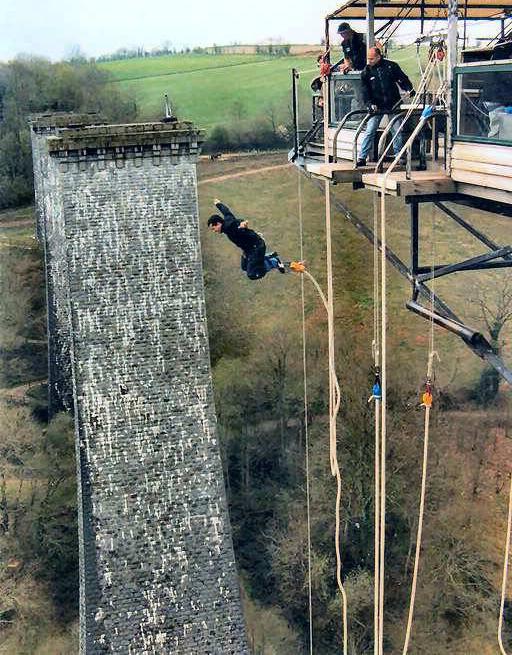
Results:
210 89
213 89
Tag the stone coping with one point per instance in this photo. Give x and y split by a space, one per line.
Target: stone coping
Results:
64 119
106 137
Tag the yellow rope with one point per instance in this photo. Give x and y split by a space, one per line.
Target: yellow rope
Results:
505 572
426 431
419 532
306 416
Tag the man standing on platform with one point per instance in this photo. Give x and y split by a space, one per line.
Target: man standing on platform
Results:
354 50
382 80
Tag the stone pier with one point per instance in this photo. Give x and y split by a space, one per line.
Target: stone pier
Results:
48 232
157 565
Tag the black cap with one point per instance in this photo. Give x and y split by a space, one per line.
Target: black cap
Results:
344 27
215 219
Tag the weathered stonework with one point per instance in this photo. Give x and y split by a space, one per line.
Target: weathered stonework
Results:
49 231
157 565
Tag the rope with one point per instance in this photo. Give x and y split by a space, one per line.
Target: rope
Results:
306 416
427 399
376 356
383 408
505 572
427 405
419 532
334 389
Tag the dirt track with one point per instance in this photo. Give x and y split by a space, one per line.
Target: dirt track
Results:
252 171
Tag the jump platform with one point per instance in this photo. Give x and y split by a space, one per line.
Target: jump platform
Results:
420 183
341 171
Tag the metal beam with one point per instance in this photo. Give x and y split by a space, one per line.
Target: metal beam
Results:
479 267
414 238
466 333
467 264
469 228
483 204
295 77
370 23
477 343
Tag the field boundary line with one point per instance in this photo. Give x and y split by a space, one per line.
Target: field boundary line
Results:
192 70
229 176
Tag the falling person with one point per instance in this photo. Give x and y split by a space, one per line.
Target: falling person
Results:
254 261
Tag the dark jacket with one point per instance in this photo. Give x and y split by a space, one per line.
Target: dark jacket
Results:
243 237
381 82
355 50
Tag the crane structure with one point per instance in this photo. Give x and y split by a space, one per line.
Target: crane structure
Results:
457 135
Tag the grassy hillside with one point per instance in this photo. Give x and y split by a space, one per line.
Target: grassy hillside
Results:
209 89
216 89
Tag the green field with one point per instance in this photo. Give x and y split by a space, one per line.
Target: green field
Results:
218 89
210 89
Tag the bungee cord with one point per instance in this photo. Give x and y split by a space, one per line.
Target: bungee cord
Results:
334 390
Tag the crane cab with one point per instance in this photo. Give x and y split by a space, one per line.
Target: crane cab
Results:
465 145
481 151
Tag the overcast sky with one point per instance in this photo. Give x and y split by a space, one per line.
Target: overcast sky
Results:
53 27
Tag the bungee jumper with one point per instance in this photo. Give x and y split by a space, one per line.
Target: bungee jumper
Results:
254 260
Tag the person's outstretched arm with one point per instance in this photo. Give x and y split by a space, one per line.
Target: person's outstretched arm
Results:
229 218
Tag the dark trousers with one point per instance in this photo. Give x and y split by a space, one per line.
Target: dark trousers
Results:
253 262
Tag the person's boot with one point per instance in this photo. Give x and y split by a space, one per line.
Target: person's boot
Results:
361 162
280 266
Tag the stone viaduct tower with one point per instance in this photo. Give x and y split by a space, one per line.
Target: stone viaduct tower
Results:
118 219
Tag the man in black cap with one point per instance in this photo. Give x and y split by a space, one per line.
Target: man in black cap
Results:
255 262
354 49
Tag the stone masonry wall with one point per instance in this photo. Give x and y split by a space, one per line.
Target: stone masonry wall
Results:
49 231
158 570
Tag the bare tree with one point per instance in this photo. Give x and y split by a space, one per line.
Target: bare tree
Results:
495 310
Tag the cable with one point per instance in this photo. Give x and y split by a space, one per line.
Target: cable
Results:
383 359
334 390
376 394
427 404
306 416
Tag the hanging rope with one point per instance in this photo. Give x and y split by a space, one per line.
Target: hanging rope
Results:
376 396
427 404
383 407
381 429
425 80
334 390
505 572
306 415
